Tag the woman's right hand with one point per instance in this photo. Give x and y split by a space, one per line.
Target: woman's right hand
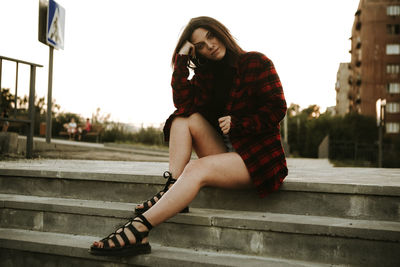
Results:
187 49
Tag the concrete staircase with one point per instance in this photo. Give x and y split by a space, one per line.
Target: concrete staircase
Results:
51 211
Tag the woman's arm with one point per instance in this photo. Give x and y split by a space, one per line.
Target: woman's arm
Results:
185 92
263 83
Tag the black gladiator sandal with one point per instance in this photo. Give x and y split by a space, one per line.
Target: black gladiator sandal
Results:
170 181
128 248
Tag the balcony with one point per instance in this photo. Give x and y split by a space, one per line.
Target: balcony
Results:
350 80
358 26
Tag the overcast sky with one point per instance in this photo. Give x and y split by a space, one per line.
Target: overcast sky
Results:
117 53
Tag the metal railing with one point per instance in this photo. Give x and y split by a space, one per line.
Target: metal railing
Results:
31 108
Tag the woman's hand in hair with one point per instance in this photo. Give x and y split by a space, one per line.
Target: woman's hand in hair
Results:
225 124
187 49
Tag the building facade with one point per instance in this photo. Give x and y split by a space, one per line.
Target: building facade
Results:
375 60
342 88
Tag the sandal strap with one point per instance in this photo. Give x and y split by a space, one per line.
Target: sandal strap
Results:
152 200
124 237
105 241
171 180
115 240
145 205
138 235
144 221
158 196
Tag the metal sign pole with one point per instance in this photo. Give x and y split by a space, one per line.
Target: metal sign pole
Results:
49 95
51 33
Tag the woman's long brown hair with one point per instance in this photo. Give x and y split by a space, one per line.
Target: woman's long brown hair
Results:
216 28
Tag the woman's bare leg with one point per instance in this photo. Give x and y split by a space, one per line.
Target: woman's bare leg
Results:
191 132
188 133
225 170
214 168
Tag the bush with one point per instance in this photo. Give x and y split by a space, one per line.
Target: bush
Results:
116 132
352 137
149 136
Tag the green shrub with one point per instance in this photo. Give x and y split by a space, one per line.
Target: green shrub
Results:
116 132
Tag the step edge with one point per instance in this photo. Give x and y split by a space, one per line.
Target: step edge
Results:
159 252
259 221
288 185
86 176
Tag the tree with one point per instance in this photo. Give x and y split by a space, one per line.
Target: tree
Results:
6 99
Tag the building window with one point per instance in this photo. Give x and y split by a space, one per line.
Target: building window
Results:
392 127
350 80
393 28
393 49
358 26
393 107
393 88
392 68
393 10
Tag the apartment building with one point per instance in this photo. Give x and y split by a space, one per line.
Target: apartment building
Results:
375 60
342 88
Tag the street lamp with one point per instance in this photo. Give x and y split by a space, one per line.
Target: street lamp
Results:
380 119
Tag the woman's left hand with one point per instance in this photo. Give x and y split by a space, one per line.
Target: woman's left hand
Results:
225 124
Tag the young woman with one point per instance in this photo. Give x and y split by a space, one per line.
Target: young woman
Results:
229 112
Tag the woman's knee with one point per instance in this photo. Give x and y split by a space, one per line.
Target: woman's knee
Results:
196 171
197 123
179 121
194 122
195 119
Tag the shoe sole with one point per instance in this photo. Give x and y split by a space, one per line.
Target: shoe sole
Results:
141 211
131 250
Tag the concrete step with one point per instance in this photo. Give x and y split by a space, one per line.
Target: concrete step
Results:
33 248
297 237
337 192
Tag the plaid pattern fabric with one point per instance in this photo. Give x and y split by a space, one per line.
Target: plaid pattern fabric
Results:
256 105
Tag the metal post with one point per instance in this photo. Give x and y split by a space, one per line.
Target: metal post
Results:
1 65
31 113
16 91
49 96
380 145
285 125
381 125
1 90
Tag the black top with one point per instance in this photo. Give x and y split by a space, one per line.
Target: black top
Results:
223 72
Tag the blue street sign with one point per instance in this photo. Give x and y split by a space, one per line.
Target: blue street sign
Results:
55 25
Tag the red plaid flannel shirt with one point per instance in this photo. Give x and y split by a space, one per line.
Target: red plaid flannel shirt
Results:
256 106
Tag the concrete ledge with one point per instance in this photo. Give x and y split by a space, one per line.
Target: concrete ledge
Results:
8 143
327 179
89 176
77 247
259 221
135 190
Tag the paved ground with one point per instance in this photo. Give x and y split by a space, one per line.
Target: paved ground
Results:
64 155
65 149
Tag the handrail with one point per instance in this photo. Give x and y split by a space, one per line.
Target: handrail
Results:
20 61
31 106
15 120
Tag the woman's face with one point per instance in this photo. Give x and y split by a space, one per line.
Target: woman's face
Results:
207 44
